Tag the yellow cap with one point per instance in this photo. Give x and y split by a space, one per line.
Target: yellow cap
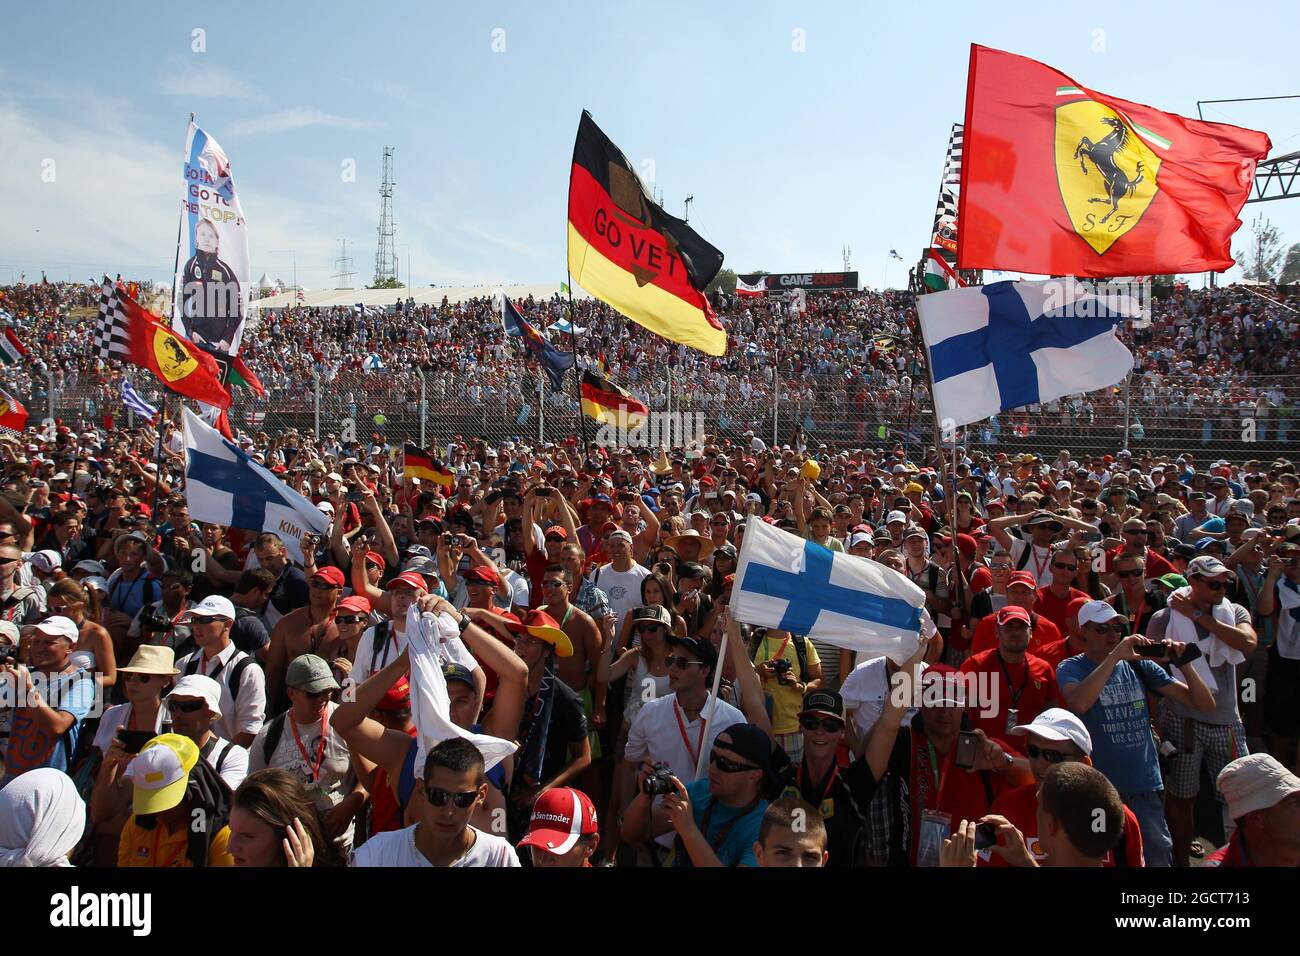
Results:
810 470
160 773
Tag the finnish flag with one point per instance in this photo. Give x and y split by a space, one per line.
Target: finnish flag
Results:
1009 344
784 581
225 486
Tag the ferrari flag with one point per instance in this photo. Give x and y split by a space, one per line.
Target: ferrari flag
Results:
630 254
127 331
606 402
1058 179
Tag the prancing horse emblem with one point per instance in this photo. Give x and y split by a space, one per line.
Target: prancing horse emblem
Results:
1102 153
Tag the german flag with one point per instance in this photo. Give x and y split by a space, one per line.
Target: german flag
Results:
630 254
418 463
606 402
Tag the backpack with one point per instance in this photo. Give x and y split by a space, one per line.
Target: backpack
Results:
274 731
1022 562
10 604
242 663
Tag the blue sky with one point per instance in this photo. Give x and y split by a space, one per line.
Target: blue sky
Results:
798 127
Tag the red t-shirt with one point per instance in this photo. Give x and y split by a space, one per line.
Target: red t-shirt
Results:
986 634
1055 652
1157 567
1031 690
1020 806
1054 609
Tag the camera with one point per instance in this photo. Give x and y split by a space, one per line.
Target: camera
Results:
781 667
152 620
659 781
9 655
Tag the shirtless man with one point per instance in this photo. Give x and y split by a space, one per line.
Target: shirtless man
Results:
308 630
579 670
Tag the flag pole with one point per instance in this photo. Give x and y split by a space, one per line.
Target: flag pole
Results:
702 760
577 370
157 457
176 265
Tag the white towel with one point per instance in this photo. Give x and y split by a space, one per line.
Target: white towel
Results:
41 819
433 639
1214 652
1288 628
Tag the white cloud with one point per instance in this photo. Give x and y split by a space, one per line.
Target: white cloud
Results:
208 83
295 118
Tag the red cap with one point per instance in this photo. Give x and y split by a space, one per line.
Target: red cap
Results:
398 697
1012 613
355 602
1022 577
481 572
279 470
142 508
707 480
561 816
558 531
377 558
981 579
607 527
409 578
966 545
1072 609
331 574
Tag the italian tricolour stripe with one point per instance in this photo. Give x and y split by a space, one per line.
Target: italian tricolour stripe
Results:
11 350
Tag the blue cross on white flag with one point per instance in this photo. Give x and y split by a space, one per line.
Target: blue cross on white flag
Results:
225 486
786 582
1010 344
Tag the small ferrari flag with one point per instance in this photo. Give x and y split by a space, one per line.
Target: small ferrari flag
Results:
11 350
626 251
127 331
13 417
418 463
1059 179
606 402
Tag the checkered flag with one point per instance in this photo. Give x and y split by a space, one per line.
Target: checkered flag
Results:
947 206
952 163
111 336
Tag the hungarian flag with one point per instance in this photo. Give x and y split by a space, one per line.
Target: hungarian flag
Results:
11 350
606 402
629 253
241 374
1058 179
12 414
127 331
418 463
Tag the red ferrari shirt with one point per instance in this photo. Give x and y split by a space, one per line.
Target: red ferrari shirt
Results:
1027 689
1054 608
986 633
1020 806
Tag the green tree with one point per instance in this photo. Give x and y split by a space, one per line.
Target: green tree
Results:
1261 256
389 283
1291 268
724 280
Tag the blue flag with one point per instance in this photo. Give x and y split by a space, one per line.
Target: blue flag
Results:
555 362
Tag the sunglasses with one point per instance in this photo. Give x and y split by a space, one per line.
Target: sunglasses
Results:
1212 585
554 584
1134 573
186 706
324 586
1136 532
204 619
675 661
439 797
813 724
647 628
4 562
1117 627
138 678
349 618
1051 756
314 694
1065 567
730 766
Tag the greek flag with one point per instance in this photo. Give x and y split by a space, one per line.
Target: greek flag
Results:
1010 344
786 582
225 486
136 403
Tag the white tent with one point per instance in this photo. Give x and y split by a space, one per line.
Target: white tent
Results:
265 282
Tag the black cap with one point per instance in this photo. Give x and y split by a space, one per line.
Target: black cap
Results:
700 647
823 702
452 671
655 613
750 743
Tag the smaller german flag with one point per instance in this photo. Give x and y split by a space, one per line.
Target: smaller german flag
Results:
607 403
418 463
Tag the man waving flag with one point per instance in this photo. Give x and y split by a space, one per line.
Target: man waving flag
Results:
626 251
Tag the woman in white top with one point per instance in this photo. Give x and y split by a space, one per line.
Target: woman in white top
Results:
123 729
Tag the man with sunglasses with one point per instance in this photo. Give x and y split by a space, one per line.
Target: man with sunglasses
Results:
194 705
1135 599
243 685
303 631
454 784
18 604
1053 737
1107 686
837 787
1035 554
1136 538
1214 738
1052 600
716 820
302 742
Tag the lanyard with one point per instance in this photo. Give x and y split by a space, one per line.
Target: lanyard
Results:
1039 567
320 750
939 775
830 781
1015 694
694 754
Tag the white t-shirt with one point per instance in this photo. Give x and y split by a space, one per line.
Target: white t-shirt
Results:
397 849
327 786
367 663
623 588
1039 562
865 691
119 716
234 766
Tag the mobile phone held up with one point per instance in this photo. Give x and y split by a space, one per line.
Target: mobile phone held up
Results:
967 747
1155 651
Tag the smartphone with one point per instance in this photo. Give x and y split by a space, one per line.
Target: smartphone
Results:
354 496
1152 650
967 747
1092 537
133 740
542 492
986 835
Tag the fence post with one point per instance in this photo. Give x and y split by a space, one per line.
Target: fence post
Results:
51 397
1128 404
315 376
423 406
541 408
776 400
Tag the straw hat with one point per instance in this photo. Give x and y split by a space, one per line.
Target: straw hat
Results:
151 659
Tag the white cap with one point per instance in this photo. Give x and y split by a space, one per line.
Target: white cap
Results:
1063 484
326 507
1256 782
94 567
9 632
334 476
47 562
214 605
1056 723
1206 566
895 516
1097 612
899 469
202 686
60 626
60 476
859 537
97 582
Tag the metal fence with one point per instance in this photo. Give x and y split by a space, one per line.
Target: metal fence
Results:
1253 418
